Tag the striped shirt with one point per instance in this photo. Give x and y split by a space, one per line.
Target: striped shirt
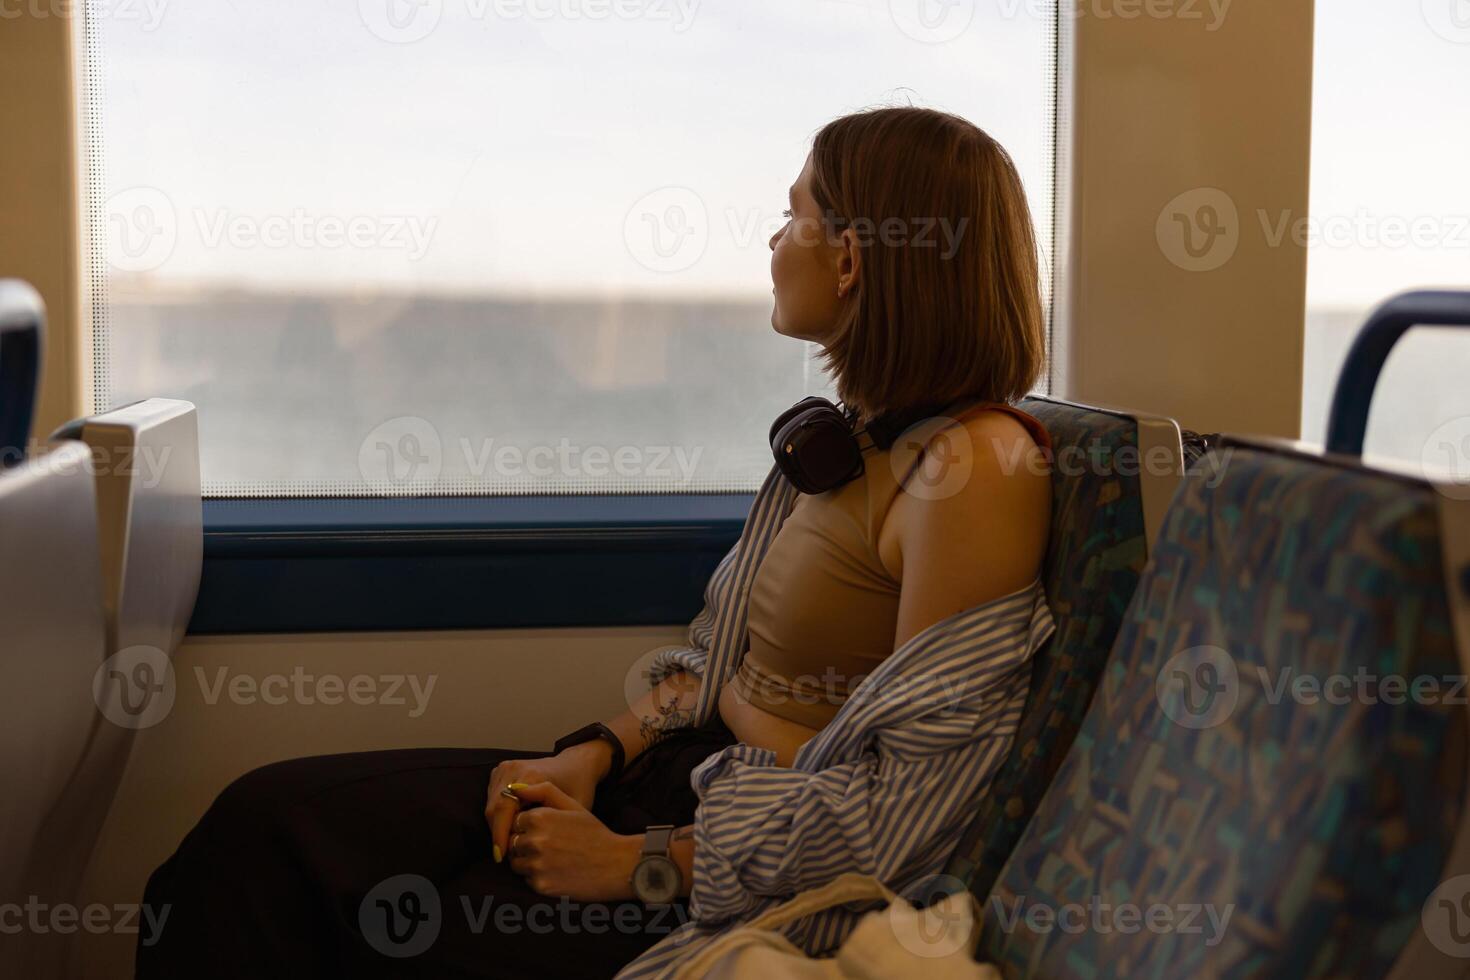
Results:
885 789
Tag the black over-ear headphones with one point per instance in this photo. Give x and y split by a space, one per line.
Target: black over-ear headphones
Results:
816 448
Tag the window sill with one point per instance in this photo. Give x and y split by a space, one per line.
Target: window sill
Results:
347 565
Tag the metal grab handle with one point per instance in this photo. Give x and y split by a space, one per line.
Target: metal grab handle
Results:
1348 422
22 321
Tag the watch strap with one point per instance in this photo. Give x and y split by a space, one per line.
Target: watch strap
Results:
656 839
586 734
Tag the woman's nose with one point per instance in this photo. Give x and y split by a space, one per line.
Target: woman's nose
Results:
777 236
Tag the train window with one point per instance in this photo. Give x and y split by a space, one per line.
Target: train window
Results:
491 246
1390 211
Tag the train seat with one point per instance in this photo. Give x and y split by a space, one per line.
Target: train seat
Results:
52 638
148 544
103 543
1112 477
52 641
1236 803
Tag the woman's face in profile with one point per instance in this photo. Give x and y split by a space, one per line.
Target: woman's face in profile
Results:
805 269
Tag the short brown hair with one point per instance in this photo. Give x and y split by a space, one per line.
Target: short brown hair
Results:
952 309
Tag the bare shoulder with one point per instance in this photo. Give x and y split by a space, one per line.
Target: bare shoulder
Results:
983 488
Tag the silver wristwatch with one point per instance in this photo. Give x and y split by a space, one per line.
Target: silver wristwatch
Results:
656 878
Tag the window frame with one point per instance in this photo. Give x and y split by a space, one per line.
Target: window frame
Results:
427 563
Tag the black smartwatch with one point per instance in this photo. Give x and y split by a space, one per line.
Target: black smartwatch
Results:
586 734
656 878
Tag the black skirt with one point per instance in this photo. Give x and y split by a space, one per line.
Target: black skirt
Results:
378 864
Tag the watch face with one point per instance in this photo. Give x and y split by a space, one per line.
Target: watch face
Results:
656 880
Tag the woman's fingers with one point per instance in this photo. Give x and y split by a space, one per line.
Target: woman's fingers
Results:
501 807
546 794
523 847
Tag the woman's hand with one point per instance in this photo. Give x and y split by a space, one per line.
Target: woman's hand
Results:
576 771
562 849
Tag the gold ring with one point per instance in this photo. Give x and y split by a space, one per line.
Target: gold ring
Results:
509 795
513 843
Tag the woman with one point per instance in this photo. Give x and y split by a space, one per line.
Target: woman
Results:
861 644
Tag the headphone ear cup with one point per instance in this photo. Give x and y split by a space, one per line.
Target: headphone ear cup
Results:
805 405
814 447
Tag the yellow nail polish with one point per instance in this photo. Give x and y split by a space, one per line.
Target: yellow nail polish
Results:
517 787
498 855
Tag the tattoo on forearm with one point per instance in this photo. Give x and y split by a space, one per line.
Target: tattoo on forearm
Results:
654 728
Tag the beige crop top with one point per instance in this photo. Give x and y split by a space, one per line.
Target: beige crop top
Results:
823 610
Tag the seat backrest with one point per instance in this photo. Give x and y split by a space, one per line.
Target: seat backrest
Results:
51 644
1251 792
1111 474
150 518
147 542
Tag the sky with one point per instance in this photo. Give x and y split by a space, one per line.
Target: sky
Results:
514 146
517 145
1390 143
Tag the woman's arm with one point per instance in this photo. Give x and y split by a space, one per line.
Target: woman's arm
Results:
667 706
577 770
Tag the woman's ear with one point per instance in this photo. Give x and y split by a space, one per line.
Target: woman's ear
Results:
849 262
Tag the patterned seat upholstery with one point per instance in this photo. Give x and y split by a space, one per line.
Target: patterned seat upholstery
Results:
1252 794
1094 558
